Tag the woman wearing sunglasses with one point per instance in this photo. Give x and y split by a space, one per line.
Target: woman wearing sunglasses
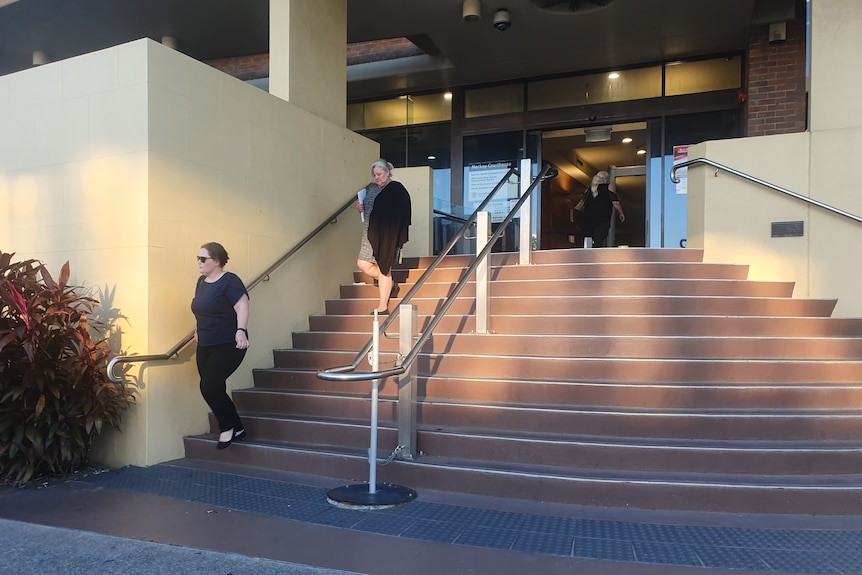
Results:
220 307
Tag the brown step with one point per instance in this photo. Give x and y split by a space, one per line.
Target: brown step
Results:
611 370
567 256
587 287
601 305
571 452
822 495
544 345
729 424
679 270
633 325
646 395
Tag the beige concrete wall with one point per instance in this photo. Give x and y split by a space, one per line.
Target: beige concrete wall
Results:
308 68
419 181
730 218
125 161
74 180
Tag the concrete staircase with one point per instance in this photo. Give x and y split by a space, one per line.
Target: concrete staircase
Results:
614 377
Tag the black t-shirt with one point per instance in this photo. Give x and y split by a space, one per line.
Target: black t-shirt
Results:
213 308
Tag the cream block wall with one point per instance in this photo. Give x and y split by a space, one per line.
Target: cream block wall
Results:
307 67
419 181
730 218
126 160
73 181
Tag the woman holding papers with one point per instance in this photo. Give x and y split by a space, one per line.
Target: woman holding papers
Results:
386 216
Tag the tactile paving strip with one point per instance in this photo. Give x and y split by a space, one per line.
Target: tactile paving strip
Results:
780 550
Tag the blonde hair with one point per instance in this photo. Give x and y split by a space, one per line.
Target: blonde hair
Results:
600 178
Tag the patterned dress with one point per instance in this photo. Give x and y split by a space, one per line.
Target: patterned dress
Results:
366 253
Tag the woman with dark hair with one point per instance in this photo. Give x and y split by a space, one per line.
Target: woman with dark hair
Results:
599 202
387 212
220 307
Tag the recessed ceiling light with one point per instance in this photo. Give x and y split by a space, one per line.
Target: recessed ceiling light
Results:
641 151
614 75
432 157
447 96
627 140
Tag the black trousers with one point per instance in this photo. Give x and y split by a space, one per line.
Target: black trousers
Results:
215 364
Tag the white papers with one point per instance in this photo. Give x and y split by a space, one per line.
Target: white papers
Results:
361 195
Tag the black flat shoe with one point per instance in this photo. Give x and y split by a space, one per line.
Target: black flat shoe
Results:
385 312
235 436
394 291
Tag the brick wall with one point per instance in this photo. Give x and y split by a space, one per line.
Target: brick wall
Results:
775 82
257 65
381 50
244 67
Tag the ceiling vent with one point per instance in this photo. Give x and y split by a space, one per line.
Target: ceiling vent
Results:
592 135
572 6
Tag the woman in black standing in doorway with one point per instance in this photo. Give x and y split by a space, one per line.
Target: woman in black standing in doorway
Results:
600 201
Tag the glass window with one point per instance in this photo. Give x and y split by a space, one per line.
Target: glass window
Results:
492 101
401 111
595 89
703 76
406 146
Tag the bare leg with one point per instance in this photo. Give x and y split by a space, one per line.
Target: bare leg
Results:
368 268
384 283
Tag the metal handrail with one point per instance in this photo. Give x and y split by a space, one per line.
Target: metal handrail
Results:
675 179
449 216
409 295
347 373
262 277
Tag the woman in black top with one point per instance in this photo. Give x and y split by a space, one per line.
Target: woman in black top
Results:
600 200
220 307
387 215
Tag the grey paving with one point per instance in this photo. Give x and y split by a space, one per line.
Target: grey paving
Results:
45 550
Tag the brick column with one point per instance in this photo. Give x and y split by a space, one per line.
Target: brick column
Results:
775 82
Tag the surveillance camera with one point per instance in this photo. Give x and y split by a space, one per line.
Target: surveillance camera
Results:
502 20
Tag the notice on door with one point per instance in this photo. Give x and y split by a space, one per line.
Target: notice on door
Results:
680 155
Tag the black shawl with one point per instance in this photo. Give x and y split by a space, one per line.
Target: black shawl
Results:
388 224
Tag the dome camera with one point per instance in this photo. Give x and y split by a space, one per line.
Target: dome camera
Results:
502 20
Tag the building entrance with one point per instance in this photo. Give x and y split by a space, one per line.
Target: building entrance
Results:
579 154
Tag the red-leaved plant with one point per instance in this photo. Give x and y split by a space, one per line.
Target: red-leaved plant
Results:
55 394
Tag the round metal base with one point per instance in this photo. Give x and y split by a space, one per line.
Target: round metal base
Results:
358 496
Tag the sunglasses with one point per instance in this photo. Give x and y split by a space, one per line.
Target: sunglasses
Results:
202 259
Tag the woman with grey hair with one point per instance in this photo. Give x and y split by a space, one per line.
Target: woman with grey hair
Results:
600 201
387 213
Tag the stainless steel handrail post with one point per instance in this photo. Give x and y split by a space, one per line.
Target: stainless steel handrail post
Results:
483 273
416 286
343 373
525 249
407 383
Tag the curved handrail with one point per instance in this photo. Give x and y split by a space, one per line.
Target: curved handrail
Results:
262 277
347 373
716 165
449 216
